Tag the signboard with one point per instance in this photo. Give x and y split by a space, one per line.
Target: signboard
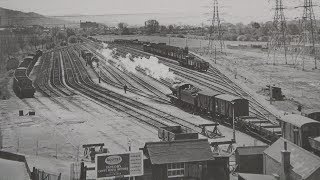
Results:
119 165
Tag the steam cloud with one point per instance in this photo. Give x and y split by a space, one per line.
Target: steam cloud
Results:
150 66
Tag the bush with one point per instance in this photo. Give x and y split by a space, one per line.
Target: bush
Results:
181 36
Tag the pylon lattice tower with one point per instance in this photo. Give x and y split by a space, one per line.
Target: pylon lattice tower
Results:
215 32
307 39
278 40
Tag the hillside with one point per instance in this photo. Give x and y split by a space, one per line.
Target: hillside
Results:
12 17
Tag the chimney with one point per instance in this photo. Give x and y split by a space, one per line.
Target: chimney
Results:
285 163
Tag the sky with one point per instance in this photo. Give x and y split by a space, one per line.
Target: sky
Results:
233 11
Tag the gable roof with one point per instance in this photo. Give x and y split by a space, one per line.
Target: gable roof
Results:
179 151
303 162
251 150
297 120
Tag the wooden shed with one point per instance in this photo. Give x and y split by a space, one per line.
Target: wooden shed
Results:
249 159
184 159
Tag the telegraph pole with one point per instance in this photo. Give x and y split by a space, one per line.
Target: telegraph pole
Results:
279 33
215 32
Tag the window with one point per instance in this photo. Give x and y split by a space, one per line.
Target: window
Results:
175 170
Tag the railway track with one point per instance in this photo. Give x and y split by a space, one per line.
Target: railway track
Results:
56 76
150 89
42 81
78 78
222 85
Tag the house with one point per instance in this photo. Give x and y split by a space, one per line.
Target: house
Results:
290 161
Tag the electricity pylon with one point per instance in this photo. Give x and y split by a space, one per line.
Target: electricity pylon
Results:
308 35
215 32
278 40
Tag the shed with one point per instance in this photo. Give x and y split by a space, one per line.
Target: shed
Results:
184 159
250 159
303 164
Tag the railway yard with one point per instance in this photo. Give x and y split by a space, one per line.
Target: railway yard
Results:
125 95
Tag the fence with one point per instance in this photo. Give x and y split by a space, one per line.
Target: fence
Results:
38 174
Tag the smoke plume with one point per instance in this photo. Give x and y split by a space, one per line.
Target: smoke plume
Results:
150 66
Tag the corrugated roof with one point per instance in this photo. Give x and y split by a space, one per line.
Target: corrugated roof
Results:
256 176
179 151
228 97
251 150
297 120
303 162
209 93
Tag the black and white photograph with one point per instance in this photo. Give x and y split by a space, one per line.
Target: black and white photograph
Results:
159 90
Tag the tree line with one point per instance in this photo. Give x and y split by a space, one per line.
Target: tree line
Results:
234 32
25 39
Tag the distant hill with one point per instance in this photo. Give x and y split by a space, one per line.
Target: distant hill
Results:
11 17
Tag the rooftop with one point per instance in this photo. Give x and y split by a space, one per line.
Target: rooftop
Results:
179 151
302 161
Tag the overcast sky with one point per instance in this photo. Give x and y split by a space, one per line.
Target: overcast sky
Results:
231 10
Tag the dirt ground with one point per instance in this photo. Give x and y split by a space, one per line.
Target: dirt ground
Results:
255 70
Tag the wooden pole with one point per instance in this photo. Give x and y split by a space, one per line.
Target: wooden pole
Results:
37 147
56 151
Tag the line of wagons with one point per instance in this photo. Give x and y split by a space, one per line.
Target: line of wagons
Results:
181 55
22 84
299 129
